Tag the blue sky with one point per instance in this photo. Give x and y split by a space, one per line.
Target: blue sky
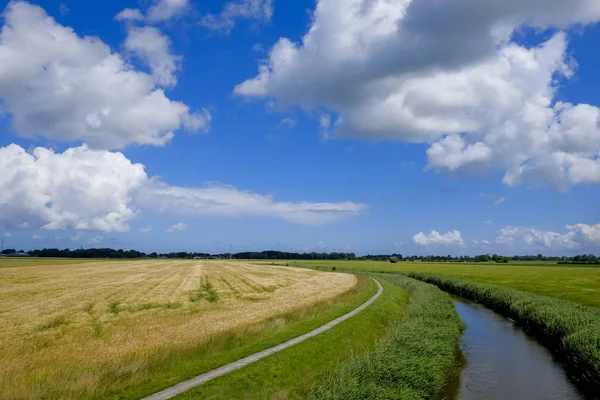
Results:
373 134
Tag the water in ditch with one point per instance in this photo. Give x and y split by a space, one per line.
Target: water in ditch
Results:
501 362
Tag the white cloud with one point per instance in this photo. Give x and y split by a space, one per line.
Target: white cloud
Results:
224 200
258 10
147 229
321 245
63 87
96 240
434 238
153 48
481 243
130 14
499 201
159 11
63 9
7 234
488 222
288 122
177 227
163 10
80 189
97 190
36 236
446 73
578 236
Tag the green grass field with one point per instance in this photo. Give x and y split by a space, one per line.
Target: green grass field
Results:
573 283
293 372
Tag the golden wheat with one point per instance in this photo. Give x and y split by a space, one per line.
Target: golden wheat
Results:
65 325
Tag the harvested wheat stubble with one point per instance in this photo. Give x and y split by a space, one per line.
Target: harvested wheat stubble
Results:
79 322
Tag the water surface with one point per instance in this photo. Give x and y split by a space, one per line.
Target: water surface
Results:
501 362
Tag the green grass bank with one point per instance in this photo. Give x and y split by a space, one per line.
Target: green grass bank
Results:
570 330
573 283
413 360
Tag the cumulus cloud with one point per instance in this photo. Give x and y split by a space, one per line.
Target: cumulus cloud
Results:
130 14
159 11
447 74
80 189
98 190
434 238
257 10
152 47
163 10
578 236
63 87
177 227
147 229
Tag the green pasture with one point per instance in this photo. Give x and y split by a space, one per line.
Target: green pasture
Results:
574 283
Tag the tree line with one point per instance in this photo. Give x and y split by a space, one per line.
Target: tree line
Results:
284 255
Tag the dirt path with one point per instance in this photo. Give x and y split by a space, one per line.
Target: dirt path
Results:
215 373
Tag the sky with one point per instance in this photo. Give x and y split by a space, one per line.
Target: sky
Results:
371 126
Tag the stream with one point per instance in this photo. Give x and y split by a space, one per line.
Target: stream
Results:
501 362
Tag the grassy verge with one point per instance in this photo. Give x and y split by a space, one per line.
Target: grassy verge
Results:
291 373
412 361
571 331
168 368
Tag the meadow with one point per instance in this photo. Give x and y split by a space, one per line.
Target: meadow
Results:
574 283
95 329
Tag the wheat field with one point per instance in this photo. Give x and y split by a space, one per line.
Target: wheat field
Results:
66 329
